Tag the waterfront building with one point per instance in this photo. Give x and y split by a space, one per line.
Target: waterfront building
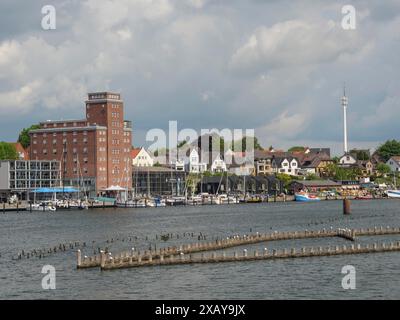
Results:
347 160
286 165
94 151
23 176
158 181
316 163
314 186
394 163
240 184
141 158
263 162
218 164
194 165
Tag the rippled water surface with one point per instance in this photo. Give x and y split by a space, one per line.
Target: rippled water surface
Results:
378 275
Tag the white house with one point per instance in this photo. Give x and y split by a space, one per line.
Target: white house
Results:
394 163
347 160
287 165
193 163
179 165
218 164
141 158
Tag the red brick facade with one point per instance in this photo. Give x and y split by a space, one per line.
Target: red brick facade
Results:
96 149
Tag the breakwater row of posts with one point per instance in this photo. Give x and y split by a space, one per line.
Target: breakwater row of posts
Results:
183 254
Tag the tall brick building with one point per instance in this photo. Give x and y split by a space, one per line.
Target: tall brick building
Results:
94 151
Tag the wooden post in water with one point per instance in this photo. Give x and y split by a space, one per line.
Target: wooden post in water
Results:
79 258
346 206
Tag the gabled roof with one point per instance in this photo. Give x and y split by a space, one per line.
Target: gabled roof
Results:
395 158
20 150
135 152
279 160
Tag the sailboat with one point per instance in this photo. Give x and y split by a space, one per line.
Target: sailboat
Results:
395 193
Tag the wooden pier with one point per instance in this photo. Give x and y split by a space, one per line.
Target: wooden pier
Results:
115 263
136 258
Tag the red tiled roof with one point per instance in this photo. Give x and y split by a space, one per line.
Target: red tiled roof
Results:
135 152
20 149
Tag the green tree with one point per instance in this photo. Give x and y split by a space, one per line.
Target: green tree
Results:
296 149
285 178
242 144
388 149
361 155
24 137
181 144
383 168
8 151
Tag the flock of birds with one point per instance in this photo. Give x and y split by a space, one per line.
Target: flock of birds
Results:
159 238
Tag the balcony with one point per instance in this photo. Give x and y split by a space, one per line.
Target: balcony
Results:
127 124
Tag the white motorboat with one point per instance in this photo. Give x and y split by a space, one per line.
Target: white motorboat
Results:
393 194
43 206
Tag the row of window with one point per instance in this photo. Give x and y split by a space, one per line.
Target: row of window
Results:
54 151
65 124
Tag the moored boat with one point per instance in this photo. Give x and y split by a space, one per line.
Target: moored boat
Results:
306 197
393 194
43 206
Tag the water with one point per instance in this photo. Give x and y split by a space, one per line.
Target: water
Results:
378 275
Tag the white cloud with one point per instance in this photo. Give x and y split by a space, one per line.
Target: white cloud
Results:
295 43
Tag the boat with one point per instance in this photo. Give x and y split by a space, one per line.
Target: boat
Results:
44 206
195 200
156 202
176 201
306 197
134 203
393 194
364 197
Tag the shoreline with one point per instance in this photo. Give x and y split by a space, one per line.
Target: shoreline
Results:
23 206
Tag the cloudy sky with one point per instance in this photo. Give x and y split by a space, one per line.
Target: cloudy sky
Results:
275 66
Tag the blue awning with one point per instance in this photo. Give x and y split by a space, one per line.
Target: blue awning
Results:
57 190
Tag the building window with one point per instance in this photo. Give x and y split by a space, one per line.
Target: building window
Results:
44 141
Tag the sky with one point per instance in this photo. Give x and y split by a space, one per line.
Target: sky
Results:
277 67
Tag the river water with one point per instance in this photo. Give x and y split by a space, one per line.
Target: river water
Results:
377 275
